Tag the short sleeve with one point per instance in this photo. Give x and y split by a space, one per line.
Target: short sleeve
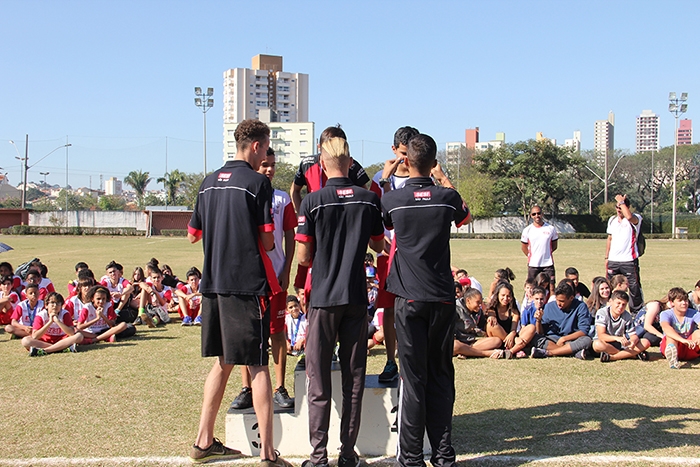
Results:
299 177
305 223
17 313
524 238
609 229
289 218
600 317
68 319
377 231
38 323
195 225
82 316
462 213
357 174
555 234
264 207
386 214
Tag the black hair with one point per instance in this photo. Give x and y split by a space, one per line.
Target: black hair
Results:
32 272
57 297
97 289
493 303
537 290
43 270
505 274
470 293
85 273
7 265
81 265
422 151
571 272
567 281
4 279
114 264
193 271
31 286
153 266
458 286
270 151
542 278
564 289
292 298
403 135
619 295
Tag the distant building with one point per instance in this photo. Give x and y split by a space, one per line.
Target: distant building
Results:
647 132
471 137
291 141
574 142
539 136
265 86
685 132
604 138
113 187
453 151
498 142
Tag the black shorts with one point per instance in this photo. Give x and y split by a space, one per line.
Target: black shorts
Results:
236 327
533 271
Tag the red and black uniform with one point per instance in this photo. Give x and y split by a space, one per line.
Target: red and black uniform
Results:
338 222
233 206
419 274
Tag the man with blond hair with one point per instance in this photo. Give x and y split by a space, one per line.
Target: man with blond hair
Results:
335 225
233 220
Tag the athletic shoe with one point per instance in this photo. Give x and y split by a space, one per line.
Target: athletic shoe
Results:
277 462
113 338
581 354
156 321
244 399
390 372
604 357
643 356
308 463
217 451
671 355
137 321
281 397
36 352
197 321
496 354
73 348
186 321
353 461
538 353
520 354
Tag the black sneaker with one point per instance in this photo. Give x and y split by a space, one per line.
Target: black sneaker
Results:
604 357
581 354
244 399
353 461
217 451
281 398
308 463
390 373
277 462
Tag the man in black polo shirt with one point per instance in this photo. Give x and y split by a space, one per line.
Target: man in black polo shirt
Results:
233 219
335 226
421 215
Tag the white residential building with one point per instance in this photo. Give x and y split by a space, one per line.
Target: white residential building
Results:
574 142
604 138
113 187
647 132
486 145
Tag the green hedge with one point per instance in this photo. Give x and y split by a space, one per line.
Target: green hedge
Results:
174 232
42 230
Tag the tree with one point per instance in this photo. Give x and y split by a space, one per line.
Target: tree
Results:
75 202
190 189
172 182
111 203
138 180
284 176
530 172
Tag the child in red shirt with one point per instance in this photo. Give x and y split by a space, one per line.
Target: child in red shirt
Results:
53 329
8 300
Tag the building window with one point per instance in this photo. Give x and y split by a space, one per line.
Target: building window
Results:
231 144
302 132
303 143
287 143
231 132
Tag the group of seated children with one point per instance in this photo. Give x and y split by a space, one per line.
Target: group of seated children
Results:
561 324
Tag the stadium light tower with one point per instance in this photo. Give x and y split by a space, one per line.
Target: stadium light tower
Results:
204 101
677 107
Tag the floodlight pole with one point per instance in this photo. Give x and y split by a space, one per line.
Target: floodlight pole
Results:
652 191
676 106
205 102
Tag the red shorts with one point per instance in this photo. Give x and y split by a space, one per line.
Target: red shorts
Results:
6 318
685 353
191 312
278 308
53 339
384 299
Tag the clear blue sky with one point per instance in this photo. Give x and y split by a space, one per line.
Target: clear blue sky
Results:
116 77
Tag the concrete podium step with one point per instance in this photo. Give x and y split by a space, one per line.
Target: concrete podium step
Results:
291 426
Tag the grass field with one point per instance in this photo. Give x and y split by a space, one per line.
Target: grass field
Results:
142 397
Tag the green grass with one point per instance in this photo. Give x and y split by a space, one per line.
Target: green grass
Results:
142 397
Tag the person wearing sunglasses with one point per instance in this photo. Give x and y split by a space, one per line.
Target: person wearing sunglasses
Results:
538 242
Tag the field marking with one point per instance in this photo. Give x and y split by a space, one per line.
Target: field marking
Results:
181 460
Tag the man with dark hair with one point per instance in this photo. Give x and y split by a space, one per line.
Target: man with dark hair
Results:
336 224
579 287
538 241
311 175
232 218
421 215
564 326
621 252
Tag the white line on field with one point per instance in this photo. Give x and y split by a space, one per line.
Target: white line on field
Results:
175 460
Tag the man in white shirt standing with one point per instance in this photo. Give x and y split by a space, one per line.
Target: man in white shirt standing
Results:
621 252
538 242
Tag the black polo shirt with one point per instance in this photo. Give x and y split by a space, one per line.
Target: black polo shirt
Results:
234 205
311 175
338 221
421 215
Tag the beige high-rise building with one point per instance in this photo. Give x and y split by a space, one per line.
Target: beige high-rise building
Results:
604 138
265 86
647 132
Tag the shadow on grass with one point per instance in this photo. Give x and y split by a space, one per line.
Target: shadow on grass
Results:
571 428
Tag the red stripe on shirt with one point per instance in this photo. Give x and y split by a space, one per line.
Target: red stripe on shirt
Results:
269 270
299 237
266 228
192 231
289 218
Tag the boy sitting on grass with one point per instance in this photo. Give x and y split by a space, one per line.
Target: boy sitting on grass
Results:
25 312
8 300
615 334
53 329
680 324
98 321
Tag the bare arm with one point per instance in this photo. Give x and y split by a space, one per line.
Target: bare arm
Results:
653 309
626 210
193 238
377 245
524 248
288 258
268 240
607 252
304 251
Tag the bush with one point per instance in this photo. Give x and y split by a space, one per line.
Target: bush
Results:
44 230
174 232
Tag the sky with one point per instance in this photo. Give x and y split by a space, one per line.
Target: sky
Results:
115 78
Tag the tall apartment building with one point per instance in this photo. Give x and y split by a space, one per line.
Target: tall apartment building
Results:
274 96
647 131
574 142
265 86
113 186
471 137
685 132
604 138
